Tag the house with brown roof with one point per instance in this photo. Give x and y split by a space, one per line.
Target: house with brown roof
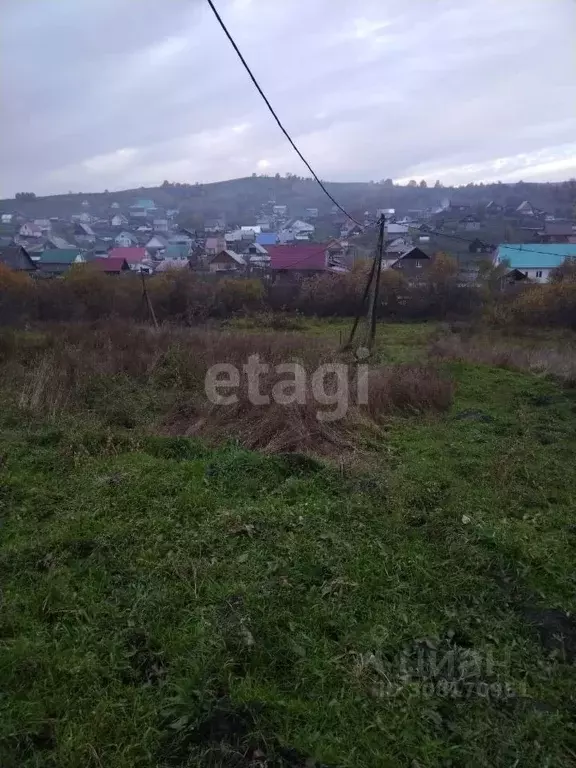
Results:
526 209
17 258
84 234
226 261
214 245
558 232
413 263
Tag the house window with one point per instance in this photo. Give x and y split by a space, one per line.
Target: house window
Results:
539 273
418 264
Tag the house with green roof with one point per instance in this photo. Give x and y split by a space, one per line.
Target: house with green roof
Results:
56 261
177 251
142 208
535 260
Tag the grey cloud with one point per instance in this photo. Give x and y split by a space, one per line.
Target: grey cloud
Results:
101 95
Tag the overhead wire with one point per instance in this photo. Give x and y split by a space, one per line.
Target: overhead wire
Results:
275 116
519 247
301 156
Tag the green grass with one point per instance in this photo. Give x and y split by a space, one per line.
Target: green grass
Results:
160 598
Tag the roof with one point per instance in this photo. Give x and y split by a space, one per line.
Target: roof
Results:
114 264
396 229
561 228
267 238
17 258
213 243
59 256
256 248
535 255
298 257
234 256
176 251
60 242
413 253
397 245
148 204
162 240
132 255
85 228
102 245
33 228
168 264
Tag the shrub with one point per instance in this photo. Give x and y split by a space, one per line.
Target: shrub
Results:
553 304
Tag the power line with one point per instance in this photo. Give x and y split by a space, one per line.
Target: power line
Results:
504 245
275 116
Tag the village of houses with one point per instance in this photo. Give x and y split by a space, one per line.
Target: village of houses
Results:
281 244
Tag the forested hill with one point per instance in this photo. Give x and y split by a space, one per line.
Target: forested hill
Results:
242 198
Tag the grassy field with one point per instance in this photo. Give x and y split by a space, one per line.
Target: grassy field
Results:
166 603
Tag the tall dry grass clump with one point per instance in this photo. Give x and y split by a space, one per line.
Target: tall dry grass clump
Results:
129 376
550 358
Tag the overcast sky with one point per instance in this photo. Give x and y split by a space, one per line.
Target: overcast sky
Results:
108 94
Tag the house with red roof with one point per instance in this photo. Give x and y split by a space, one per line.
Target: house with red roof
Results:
134 257
111 266
293 262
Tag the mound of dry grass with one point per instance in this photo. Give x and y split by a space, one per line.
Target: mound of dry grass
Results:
313 426
129 376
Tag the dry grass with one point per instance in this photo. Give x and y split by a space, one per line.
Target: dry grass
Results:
543 357
132 376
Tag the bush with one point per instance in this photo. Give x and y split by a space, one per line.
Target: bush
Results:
187 298
553 304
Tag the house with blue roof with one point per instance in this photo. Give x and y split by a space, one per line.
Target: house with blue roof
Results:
535 260
267 238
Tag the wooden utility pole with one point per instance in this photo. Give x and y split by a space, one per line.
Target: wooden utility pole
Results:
373 312
147 300
370 294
